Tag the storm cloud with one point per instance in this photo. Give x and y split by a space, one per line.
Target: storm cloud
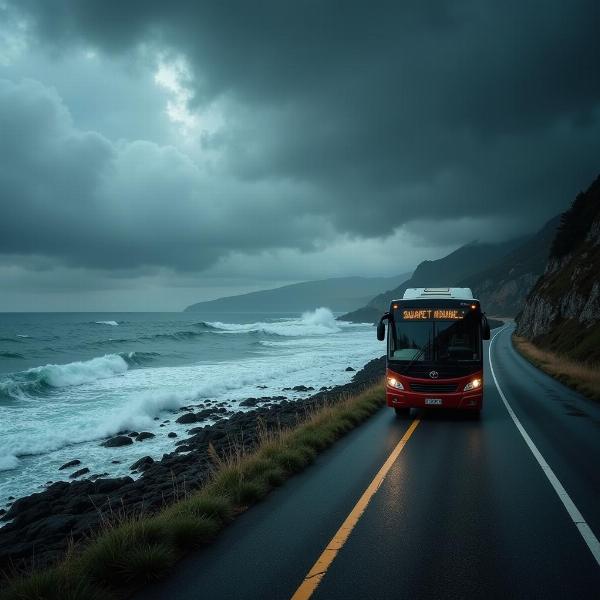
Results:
447 121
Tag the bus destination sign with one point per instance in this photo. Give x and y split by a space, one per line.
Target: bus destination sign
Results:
421 314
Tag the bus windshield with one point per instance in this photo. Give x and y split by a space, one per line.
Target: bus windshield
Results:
435 340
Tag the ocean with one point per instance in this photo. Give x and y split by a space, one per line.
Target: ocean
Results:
70 380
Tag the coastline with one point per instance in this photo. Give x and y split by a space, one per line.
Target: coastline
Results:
39 527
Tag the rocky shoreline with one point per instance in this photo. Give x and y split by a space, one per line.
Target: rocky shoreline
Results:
39 528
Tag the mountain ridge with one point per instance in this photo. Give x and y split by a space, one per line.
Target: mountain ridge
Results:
339 294
447 271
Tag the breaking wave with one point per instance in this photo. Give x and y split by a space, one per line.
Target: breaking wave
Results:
40 379
8 462
138 359
111 323
317 322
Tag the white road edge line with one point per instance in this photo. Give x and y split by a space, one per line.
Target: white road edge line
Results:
584 529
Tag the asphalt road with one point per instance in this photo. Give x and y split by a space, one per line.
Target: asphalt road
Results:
466 510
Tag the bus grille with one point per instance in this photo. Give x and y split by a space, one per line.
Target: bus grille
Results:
434 388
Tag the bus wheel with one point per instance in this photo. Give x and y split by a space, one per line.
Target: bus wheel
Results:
401 413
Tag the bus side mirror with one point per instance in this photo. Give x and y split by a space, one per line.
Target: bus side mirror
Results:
485 328
381 327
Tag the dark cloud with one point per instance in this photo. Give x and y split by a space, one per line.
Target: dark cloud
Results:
351 117
86 201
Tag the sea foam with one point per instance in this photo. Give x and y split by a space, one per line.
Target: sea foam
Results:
36 380
8 462
317 322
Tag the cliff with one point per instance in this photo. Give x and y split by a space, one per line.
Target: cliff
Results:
562 311
503 286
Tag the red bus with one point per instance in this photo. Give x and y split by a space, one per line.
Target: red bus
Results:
434 350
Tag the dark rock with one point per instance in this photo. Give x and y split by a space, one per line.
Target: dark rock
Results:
172 434
133 434
261 387
249 402
142 463
105 486
71 463
115 462
323 389
206 413
186 418
43 524
302 388
156 419
350 369
144 435
115 442
79 472
97 476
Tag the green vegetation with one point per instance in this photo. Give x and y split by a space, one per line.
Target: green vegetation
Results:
582 377
576 222
130 553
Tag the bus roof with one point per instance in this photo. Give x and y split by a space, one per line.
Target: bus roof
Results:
438 293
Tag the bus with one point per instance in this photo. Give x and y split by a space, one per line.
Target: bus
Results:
434 350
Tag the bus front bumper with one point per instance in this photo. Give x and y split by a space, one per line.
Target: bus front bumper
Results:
471 400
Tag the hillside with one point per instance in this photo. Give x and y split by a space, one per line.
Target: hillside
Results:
338 294
562 311
503 286
448 271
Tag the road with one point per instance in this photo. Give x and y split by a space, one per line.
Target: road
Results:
465 511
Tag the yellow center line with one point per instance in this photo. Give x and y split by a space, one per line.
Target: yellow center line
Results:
318 570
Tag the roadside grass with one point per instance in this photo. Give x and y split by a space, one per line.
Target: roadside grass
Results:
129 553
582 377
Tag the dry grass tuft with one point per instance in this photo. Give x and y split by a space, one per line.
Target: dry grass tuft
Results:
582 377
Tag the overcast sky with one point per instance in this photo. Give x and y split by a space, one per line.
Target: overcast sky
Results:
154 153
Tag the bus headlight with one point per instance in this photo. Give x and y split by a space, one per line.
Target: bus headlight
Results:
472 385
393 382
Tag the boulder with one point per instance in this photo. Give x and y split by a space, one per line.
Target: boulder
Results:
118 440
249 402
144 435
71 463
186 418
172 434
350 369
79 472
302 388
142 463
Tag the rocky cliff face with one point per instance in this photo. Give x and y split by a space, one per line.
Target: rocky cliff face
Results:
503 286
562 311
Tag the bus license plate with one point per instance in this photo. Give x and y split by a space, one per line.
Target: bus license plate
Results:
436 401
